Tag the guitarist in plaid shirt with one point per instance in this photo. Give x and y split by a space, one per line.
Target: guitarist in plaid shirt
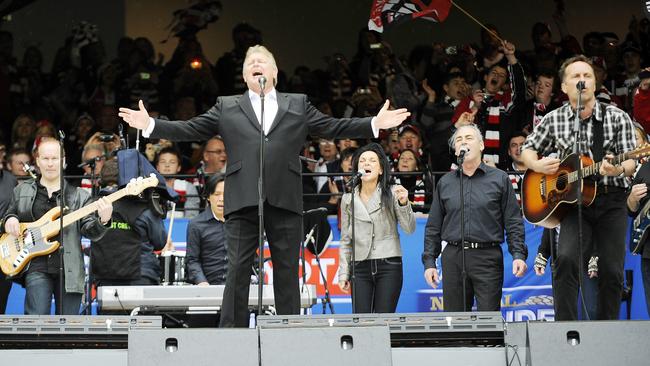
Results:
604 221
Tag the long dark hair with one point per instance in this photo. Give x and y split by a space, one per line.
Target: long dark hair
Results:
383 180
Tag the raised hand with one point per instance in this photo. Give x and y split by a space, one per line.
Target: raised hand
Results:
387 118
135 118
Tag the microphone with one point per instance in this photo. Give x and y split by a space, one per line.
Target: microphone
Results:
30 170
262 81
580 85
319 210
359 174
91 161
462 151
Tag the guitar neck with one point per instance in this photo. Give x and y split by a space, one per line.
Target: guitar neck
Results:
595 168
82 212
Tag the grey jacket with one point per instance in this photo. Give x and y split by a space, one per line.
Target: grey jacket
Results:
21 207
375 229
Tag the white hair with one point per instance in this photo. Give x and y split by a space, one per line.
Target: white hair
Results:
263 50
474 127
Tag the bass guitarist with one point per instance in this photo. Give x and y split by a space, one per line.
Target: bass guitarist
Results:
605 130
30 201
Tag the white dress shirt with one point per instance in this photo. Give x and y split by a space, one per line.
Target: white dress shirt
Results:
270 107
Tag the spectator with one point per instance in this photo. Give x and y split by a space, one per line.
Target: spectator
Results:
168 162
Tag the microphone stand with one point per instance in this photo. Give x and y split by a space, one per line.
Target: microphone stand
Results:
461 159
354 182
580 203
313 233
89 284
260 204
61 212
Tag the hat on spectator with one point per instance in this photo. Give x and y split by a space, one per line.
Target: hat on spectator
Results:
409 128
631 47
644 74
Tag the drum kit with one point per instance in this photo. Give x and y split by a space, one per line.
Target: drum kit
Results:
172 268
172 262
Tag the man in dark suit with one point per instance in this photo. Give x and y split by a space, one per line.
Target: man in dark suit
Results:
288 119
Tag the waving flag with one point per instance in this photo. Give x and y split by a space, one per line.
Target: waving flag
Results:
391 12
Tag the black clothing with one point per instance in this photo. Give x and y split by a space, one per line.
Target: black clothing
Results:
234 118
490 207
117 254
206 256
43 203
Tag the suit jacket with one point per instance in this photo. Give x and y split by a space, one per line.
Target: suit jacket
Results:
375 229
234 119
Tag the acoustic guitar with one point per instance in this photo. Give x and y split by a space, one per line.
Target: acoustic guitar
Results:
15 253
547 197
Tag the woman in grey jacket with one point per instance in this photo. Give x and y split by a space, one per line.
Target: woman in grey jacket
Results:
378 256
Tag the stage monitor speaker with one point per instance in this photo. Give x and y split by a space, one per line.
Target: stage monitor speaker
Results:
409 329
196 347
326 346
588 343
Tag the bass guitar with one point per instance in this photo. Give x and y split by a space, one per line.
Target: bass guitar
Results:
15 253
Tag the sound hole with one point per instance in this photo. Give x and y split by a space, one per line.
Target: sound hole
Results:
561 182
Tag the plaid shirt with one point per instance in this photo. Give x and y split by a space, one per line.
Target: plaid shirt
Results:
555 135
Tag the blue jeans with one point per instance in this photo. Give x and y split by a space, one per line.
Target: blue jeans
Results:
377 285
39 288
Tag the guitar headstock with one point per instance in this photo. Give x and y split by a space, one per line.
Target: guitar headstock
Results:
137 185
640 152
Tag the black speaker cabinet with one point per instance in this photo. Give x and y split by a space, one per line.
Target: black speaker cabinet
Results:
326 346
196 347
588 343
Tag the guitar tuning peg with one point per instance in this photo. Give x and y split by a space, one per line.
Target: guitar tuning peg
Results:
152 175
132 180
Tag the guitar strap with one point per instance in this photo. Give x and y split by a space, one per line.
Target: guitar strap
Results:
599 138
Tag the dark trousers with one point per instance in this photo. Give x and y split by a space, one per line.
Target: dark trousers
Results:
645 274
377 285
283 230
5 288
604 227
39 288
484 268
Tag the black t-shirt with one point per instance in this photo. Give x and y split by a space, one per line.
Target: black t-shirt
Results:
42 204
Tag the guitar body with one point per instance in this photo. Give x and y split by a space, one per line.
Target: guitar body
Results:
15 253
640 231
547 198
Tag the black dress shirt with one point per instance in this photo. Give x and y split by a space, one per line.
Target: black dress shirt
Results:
43 203
207 259
490 207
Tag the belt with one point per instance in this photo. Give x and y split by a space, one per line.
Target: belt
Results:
605 189
476 245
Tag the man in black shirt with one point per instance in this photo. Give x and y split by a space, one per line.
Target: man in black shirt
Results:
489 205
125 255
207 259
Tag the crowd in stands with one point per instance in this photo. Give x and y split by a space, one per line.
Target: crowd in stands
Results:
492 83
